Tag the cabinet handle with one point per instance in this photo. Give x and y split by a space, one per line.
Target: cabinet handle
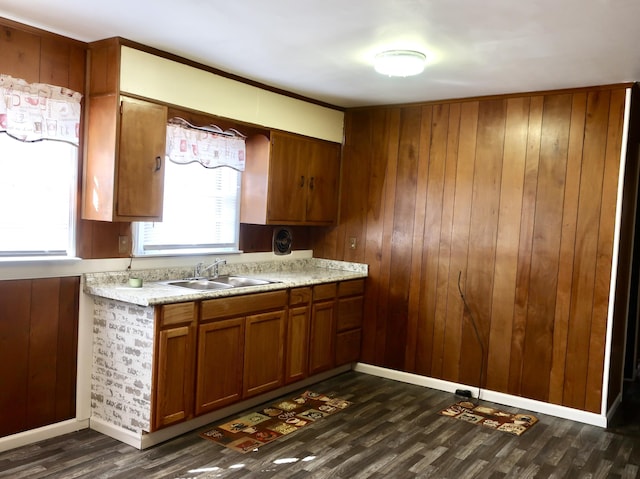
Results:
301 181
158 163
311 183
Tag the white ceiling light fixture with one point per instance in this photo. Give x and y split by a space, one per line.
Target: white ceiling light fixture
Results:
400 63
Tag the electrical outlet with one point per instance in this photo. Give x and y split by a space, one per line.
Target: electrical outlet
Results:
352 243
123 244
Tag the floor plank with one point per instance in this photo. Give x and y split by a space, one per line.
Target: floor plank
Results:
392 430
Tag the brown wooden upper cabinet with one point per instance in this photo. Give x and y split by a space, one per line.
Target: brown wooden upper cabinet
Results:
290 180
125 146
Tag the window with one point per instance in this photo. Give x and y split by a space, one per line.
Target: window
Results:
201 212
38 183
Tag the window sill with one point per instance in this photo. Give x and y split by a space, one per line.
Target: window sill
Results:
38 259
187 253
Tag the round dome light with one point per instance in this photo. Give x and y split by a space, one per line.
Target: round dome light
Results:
400 63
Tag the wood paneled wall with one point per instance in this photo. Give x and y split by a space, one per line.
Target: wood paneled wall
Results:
38 352
514 195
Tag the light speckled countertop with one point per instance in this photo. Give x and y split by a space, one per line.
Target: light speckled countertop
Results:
288 274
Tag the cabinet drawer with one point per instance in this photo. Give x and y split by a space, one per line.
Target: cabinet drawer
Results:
299 296
350 313
324 291
178 313
239 305
351 288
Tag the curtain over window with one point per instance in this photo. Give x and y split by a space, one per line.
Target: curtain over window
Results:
201 205
38 178
207 145
37 111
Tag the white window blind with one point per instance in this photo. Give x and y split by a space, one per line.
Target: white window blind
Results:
200 215
38 182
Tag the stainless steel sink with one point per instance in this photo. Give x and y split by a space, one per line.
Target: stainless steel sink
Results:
202 284
239 281
221 282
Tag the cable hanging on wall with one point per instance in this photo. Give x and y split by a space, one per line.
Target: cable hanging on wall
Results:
477 333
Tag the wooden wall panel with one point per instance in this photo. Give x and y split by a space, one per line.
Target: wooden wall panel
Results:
565 264
415 285
586 245
554 141
442 284
434 193
38 351
15 304
460 231
604 259
478 286
20 54
517 196
506 267
402 235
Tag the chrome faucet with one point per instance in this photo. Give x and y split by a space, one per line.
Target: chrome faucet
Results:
201 269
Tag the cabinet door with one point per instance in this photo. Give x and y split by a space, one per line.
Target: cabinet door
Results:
264 352
348 346
297 350
323 171
220 362
141 157
174 380
288 179
322 334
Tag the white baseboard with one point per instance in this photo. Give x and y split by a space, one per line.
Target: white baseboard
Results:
42 433
487 395
116 432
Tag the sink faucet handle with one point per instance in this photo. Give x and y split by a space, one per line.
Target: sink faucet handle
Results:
198 269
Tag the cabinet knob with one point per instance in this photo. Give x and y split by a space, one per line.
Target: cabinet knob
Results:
301 181
311 183
158 163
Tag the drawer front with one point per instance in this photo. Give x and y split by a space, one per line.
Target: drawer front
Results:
240 305
351 288
324 291
350 313
299 296
178 313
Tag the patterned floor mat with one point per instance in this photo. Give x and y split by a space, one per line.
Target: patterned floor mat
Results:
250 431
490 417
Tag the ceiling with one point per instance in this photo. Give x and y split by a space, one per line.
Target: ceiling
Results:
324 49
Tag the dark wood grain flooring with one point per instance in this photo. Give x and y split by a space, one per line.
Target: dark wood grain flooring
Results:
392 430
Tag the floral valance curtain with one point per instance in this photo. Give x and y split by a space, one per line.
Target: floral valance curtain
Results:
37 111
207 145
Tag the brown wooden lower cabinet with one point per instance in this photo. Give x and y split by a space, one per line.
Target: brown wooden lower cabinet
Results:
349 322
216 352
263 352
297 338
323 328
220 358
174 370
240 348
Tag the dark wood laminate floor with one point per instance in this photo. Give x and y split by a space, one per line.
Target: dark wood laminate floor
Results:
392 430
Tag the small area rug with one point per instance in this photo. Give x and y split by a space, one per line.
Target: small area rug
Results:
490 417
250 431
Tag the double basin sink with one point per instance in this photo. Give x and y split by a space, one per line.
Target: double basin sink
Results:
220 282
